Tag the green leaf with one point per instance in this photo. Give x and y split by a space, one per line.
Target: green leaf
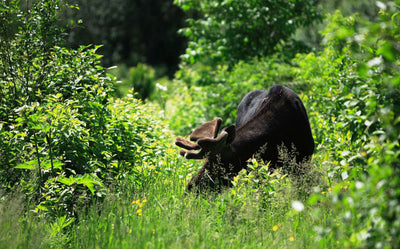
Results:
31 165
41 207
386 50
362 70
67 181
89 182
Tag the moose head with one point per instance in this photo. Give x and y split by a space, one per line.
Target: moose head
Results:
265 121
214 148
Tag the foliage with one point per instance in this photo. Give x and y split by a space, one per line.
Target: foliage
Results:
355 104
141 78
374 50
63 143
224 32
49 96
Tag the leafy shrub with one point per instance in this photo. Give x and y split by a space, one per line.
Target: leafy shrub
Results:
49 98
136 141
355 104
62 142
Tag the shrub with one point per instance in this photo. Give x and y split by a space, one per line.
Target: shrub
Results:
62 142
355 104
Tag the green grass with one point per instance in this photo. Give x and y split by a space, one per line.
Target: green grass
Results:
161 216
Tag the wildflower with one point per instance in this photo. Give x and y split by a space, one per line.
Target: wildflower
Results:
136 202
291 238
329 189
130 230
139 211
298 206
154 231
274 228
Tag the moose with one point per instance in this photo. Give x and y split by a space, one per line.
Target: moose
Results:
266 121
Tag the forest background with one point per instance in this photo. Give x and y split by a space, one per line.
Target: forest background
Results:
93 93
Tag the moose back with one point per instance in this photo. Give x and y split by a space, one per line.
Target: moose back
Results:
266 121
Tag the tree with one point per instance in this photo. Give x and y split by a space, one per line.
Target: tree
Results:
226 31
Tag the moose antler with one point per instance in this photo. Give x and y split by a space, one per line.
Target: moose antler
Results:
207 141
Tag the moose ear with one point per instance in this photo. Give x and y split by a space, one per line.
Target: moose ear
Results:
213 145
207 130
231 130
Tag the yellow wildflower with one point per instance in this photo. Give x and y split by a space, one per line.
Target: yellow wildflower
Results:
274 228
291 238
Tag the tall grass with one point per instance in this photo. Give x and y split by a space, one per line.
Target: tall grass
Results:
20 229
260 211
161 216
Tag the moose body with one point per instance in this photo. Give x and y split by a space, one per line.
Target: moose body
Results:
266 121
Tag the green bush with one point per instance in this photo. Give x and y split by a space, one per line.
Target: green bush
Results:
354 102
63 142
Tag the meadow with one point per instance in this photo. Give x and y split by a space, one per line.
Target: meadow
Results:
87 163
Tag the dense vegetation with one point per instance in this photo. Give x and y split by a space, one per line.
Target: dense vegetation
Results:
84 163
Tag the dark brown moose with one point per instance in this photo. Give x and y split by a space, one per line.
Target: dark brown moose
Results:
266 121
